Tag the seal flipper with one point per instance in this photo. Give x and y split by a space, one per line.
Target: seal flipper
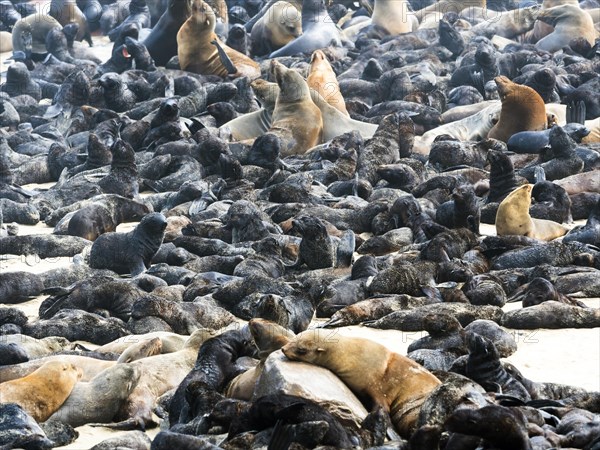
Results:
225 60
137 267
539 174
281 438
576 112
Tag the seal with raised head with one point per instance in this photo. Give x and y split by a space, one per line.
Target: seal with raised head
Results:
200 50
513 218
379 376
129 252
523 109
42 392
296 119
322 79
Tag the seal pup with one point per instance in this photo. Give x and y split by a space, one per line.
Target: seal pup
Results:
523 109
513 218
281 24
322 79
379 376
296 119
129 252
200 50
42 392
569 22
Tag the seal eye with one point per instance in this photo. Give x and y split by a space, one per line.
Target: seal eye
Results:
301 351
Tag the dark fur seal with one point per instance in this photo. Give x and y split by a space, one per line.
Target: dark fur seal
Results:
129 252
19 430
505 428
162 41
553 315
588 233
44 245
17 287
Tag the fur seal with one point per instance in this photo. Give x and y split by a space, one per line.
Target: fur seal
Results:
162 40
393 17
197 52
382 378
322 79
129 252
42 392
29 33
523 109
280 25
99 399
513 218
19 430
569 22
296 119
318 31
67 11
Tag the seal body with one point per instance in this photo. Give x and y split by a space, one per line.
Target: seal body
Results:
322 79
129 252
569 21
42 392
381 377
296 119
162 40
522 110
513 218
281 24
198 54
29 33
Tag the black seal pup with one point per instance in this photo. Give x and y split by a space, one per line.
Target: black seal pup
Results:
129 252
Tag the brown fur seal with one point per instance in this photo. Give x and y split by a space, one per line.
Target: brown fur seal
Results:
67 11
281 24
522 110
322 79
198 54
42 392
296 119
513 218
570 22
29 33
381 377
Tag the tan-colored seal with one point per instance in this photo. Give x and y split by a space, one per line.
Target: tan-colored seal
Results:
268 337
513 218
570 22
522 110
281 24
42 392
433 13
256 123
170 342
374 373
322 79
503 23
90 367
394 17
296 119
37 26
198 54
142 349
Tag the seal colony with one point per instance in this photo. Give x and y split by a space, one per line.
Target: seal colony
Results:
286 161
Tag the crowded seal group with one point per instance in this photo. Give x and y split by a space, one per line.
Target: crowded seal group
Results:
221 194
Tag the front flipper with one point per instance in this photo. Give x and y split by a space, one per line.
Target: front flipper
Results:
225 60
576 112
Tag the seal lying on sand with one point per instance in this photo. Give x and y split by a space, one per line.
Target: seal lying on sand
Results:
381 377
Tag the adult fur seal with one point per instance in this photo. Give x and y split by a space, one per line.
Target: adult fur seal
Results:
513 218
381 377
522 110
42 392
129 252
296 119
569 22
322 79
280 25
162 40
200 50
29 34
